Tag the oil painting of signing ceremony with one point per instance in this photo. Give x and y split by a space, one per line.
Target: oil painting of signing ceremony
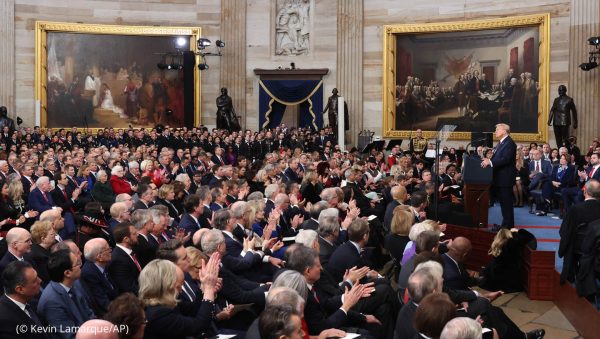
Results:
89 87
473 80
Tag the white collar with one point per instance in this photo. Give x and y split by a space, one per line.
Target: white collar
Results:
18 303
501 140
125 249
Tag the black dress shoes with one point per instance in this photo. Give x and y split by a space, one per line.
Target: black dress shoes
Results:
536 334
541 213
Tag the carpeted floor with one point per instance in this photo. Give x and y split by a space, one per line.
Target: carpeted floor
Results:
544 228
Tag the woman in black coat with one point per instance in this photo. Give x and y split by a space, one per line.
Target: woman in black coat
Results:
160 283
311 187
503 272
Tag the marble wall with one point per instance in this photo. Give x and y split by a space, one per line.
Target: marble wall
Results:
203 13
249 26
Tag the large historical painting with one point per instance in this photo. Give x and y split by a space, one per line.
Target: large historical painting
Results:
455 74
90 76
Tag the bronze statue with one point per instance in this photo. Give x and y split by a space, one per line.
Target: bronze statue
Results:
560 116
332 109
226 118
5 120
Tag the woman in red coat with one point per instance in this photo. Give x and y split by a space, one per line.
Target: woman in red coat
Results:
118 183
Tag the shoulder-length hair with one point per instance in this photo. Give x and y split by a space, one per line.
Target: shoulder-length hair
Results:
157 284
499 241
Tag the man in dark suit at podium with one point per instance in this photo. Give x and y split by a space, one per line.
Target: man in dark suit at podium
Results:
505 173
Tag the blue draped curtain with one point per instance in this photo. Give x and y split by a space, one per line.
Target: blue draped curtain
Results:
275 95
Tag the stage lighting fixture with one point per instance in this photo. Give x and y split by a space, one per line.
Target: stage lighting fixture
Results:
594 41
587 66
220 43
181 42
203 43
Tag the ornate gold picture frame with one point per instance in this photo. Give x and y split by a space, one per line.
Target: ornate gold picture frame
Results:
472 74
97 76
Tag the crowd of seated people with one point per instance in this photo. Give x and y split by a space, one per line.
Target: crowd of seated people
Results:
162 230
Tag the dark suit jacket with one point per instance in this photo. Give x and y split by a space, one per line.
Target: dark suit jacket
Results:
545 174
344 257
389 213
291 176
326 313
189 224
8 258
326 250
165 322
405 329
101 290
38 203
454 277
232 259
140 205
59 199
12 316
584 212
26 185
123 271
144 250
568 178
57 307
40 255
238 290
503 161
173 211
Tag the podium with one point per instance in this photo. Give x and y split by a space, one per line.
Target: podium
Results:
476 190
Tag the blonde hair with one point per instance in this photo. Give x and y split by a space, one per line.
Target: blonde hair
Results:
252 207
40 230
427 225
402 220
500 240
157 284
309 177
15 191
164 190
196 256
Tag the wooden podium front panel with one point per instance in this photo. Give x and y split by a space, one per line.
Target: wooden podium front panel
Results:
477 203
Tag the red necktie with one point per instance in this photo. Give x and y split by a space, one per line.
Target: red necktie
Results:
67 199
537 166
136 262
45 197
312 290
592 173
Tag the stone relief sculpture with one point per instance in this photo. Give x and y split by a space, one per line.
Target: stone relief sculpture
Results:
292 27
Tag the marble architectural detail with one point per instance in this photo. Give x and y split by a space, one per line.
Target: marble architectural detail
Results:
292 27
7 55
584 87
233 61
350 62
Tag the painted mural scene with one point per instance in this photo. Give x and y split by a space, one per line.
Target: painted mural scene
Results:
89 85
471 79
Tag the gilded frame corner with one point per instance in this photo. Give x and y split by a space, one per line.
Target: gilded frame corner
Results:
42 28
542 21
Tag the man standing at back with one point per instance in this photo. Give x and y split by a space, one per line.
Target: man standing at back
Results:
503 162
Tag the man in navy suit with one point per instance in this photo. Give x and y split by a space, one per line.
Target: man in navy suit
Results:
194 208
289 173
18 242
21 284
573 195
505 173
40 198
94 275
540 172
63 305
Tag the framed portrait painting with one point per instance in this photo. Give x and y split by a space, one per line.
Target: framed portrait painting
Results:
470 74
97 76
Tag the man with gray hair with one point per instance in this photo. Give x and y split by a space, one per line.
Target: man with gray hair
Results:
330 196
94 275
420 284
278 296
329 232
18 241
133 175
315 212
143 221
461 328
40 198
236 289
119 212
271 191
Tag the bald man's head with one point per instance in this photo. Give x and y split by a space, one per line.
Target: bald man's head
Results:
97 329
459 248
198 236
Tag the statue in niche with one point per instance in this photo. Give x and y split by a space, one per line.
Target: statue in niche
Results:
332 112
292 27
226 118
